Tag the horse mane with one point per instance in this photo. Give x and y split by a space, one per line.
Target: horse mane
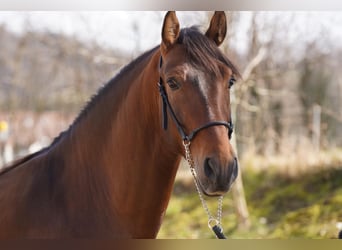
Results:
114 81
83 113
202 52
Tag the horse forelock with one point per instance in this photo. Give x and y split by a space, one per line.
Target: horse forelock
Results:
202 52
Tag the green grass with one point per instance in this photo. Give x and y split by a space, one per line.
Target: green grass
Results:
307 206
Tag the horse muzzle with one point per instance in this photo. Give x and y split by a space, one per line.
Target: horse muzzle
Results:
217 176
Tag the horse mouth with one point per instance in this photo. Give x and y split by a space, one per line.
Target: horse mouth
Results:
219 183
207 192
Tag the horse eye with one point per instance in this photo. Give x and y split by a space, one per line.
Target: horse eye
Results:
231 81
173 84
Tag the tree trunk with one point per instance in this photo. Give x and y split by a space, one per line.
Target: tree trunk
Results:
239 198
238 192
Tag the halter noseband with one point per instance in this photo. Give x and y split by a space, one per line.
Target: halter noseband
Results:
167 106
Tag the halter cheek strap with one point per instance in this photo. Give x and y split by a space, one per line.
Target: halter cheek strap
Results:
167 106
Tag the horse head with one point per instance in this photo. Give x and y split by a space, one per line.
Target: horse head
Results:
195 82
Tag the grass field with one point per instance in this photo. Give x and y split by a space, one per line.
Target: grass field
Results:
308 205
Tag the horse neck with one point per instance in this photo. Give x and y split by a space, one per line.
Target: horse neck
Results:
121 153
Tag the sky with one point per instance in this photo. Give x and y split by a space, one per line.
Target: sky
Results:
140 30
112 29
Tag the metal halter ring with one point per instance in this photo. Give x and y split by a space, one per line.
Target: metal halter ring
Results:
186 143
213 222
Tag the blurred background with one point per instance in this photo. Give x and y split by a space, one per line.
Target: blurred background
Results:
287 107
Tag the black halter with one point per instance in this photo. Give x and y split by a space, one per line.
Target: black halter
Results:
167 106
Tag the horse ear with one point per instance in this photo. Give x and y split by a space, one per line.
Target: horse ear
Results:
218 27
170 31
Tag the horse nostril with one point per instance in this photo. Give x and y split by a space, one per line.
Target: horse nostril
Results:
208 169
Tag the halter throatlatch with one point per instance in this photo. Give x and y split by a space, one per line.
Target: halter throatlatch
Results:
213 223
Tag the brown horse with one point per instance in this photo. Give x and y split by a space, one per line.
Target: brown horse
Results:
111 173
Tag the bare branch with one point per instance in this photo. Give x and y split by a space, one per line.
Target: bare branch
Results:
254 63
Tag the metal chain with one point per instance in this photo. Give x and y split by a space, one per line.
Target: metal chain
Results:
212 221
